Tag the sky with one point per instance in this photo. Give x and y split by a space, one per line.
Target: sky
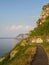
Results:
19 16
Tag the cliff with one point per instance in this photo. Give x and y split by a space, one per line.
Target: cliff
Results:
44 14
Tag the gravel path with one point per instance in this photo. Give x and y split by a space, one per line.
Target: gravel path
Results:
40 57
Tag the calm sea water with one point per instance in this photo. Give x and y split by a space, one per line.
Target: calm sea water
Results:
6 45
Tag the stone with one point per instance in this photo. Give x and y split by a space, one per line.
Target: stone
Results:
37 40
44 14
47 40
33 41
1 59
13 53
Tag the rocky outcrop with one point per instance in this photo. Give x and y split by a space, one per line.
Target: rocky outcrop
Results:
40 40
13 53
1 59
37 40
44 14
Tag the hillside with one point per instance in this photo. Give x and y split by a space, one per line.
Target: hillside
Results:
42 30
23 53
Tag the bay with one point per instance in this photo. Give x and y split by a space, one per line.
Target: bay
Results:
6 45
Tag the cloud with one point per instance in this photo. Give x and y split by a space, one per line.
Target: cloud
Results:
14 27
13 30
19 27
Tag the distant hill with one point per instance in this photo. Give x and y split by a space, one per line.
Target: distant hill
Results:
21 36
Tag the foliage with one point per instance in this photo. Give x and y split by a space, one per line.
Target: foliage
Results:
42 29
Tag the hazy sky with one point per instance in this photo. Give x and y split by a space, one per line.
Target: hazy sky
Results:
19 16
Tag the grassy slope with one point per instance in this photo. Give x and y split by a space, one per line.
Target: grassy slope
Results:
23 57
41 30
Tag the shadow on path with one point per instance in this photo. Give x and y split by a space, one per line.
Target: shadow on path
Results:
41 57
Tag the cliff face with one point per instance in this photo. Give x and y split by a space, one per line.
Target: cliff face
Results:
44 14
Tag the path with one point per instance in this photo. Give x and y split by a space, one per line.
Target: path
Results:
40 57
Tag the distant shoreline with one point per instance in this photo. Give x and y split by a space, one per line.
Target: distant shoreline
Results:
7 38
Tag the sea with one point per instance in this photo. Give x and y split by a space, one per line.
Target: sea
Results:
6 45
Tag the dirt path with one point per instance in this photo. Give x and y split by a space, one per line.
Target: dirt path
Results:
40 57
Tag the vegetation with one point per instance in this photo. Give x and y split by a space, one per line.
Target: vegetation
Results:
42 30
23 57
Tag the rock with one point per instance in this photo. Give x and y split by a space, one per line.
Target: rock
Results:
1 59
47 40
13 53
44 14
37 40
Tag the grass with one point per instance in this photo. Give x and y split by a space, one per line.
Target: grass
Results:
41 30
23 57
